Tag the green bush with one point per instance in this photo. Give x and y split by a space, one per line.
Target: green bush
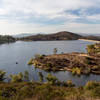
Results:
51 79
76 71
55 50
91 85
54 69
16 77
69 83
96 92
95 67
90 49
87 60
41 76
30 62
26 75
2 75
93 49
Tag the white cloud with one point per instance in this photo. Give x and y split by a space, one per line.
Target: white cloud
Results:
95 17
15 13
45 7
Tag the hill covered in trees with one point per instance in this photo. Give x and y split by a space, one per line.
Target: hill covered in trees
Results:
6 39
64 35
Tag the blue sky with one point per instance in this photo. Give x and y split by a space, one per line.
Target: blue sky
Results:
48 16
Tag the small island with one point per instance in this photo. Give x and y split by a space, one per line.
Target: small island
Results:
77 63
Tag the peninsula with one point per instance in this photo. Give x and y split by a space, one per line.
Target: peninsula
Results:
77 63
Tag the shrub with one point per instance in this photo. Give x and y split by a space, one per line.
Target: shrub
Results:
91 85
69 83
54 69
48 66
41 76
51 79
55 50
87 60
96 92
30 62
90 49
26 75
76 71
95 67
73 71
2 75
93 49
17 77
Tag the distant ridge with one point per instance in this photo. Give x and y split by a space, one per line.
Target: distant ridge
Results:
24 35
63 35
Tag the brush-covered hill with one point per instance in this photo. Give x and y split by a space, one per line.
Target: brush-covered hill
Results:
64 35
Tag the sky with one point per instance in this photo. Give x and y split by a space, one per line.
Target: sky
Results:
49 16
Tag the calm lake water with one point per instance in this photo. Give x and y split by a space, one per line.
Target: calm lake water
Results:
21 52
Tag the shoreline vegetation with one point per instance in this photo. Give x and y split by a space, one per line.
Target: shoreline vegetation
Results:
19 87
77 63
6 39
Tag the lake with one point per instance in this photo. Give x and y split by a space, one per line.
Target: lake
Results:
21 52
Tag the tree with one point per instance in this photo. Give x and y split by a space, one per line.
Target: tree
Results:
26 75
30 62
2 75
51 79
93 49
20 75
91 85
90 49
17 77
41 76
69 83
55 50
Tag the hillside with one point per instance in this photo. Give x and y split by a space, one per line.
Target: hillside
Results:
91 37
64 35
